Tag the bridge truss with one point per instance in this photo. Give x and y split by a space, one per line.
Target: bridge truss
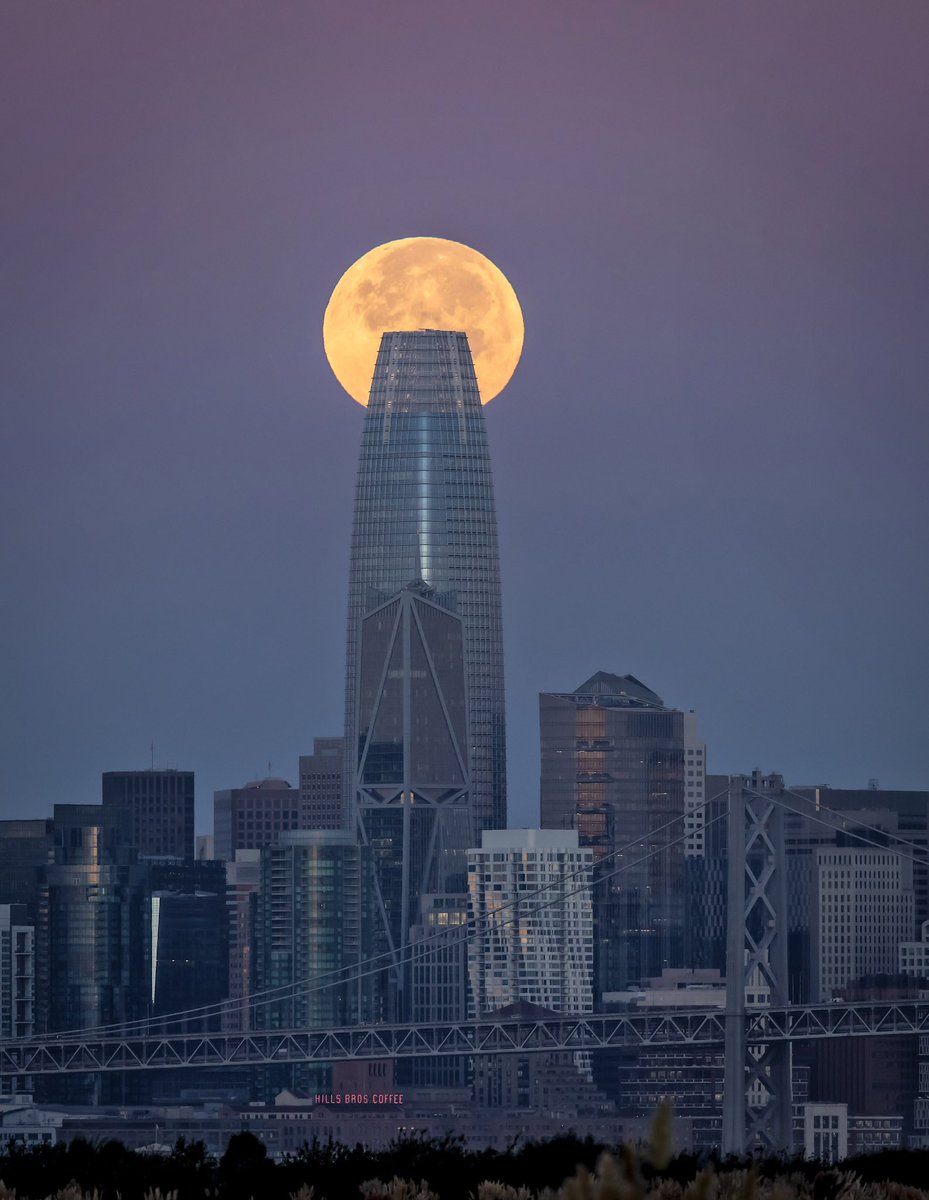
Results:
705 1027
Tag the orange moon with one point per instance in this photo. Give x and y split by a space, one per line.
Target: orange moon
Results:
423 283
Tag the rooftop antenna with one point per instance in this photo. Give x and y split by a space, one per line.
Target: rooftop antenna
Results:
152 748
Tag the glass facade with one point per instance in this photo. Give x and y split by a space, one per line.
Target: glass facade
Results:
93 932
412 777
189 942
309 926
424 510
26 849
613 769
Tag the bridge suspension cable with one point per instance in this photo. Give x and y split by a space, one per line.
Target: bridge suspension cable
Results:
413 952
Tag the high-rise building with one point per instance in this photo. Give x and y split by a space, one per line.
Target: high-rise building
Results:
17 982
243 879
161 808
412 777
901 814
531 912
189 942
94 920
308 933
93 932
26 849
17 972
322 775
424 510
818 818
254 816
617 765
532 952
863 910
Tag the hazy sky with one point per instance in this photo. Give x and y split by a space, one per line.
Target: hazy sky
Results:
710 465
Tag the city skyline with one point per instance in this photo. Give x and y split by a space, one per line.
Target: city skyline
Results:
708 466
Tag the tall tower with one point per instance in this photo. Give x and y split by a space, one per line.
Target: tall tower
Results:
424 510
412 779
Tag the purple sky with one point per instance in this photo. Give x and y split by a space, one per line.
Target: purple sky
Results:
710 465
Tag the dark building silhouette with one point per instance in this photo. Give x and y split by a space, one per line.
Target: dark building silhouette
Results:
161 808
875 1077
189 942
26 849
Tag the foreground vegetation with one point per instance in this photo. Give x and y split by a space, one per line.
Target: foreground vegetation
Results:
426 1169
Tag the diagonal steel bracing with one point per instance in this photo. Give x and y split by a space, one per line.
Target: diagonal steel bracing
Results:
757 1093
769 1030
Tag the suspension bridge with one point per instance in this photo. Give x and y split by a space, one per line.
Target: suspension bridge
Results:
756 1039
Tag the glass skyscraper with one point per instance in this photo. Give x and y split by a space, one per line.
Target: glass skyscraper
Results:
424 510
613 768
412 779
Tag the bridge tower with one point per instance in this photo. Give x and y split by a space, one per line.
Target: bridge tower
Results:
757 1102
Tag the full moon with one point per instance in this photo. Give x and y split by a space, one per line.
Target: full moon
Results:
423 283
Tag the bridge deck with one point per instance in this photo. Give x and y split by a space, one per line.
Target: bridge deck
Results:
706 1027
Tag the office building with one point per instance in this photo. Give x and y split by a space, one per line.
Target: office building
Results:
439 983
424 510
863 907
708 883
161 808
412 777
254 816
93 930
322 777
95 920
638 1079
913 957
617 765
821 817
189 943
903 816
26 849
